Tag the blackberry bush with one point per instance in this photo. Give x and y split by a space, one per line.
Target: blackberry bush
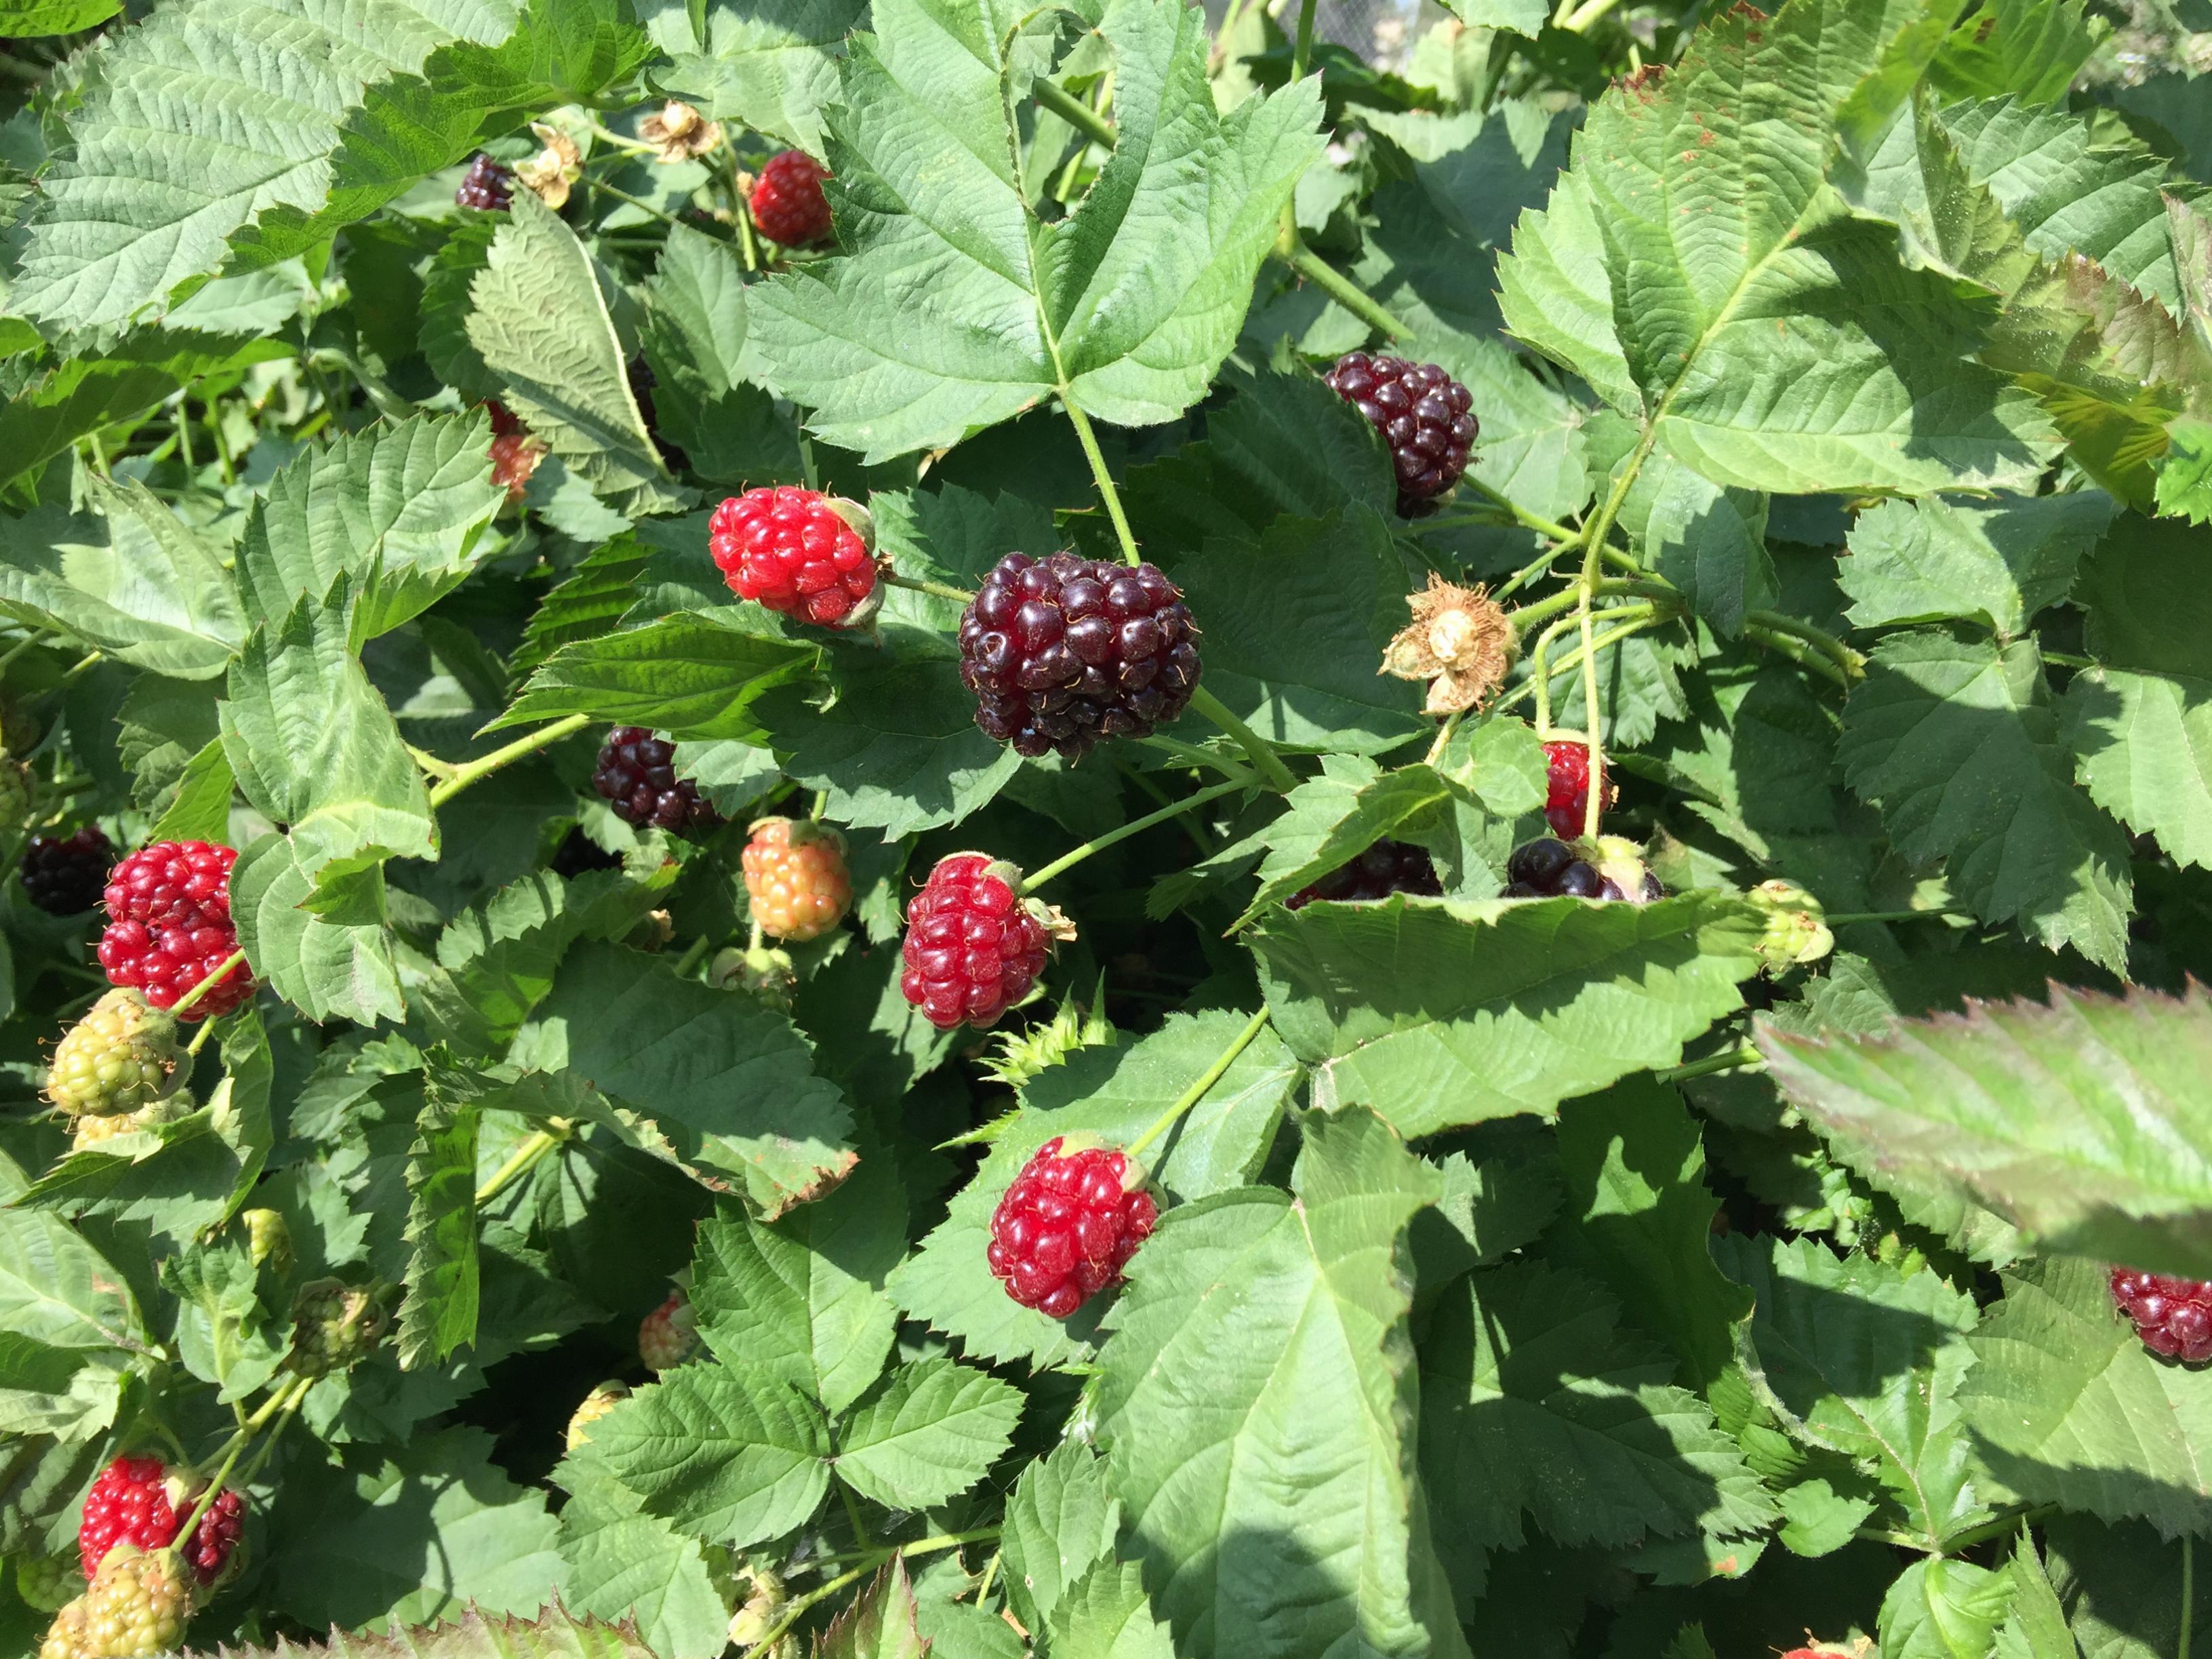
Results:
1465 786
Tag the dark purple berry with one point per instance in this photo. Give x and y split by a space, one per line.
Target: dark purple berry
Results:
638 779
1422 414
486 186
1608 868
2173 1315
579 854
1387 867
1064 651
1538 864
63 874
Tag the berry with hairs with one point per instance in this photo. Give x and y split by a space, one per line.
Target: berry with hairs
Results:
63 874
1069 1224
66 1638
2173 1315
799 551
1422 414
1387 867
636 776
974 945
487 186
1064 651
589 1410
169 927
48 1583
1608 868
514 453
137 1605
787 203
795 878
668 1335
120 1056
1567 787
92 1130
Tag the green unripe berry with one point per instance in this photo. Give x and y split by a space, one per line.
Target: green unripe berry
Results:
333 1325
120 1058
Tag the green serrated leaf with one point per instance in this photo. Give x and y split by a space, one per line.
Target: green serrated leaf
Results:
768 64
332 960
1060 1521
1107 1615
925 1432
1940 1609
1996 564
881 1623
439 1313
686 676
627 1565
695 340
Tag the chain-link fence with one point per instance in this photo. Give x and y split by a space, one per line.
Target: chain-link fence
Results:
1381 31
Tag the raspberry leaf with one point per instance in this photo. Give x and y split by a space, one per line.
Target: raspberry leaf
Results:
2067 1406
704 402
74 1321
541 322
1466 1011
1534 1403
439 1313
1330 819
624 1563
1061 1522
2124 1583
1943 1609
797 1298
318 939
1107 1615
1996 564
721 1451
880 1623
1957 742
1127 307
771 67
926 1433
1242 1513
953 536
687 675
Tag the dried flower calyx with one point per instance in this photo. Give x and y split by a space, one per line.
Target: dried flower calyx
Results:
1460 641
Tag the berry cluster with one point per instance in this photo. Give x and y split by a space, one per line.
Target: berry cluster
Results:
1422 414
1608 868
138 1501
1567 787
2173 1315
63 874
169 926
137 1607
1387 867
514 453
974 946
1068 1225
797 552
334 1324
795 879
119 1057
788 205
487 186
668 1335
636 777
1062 652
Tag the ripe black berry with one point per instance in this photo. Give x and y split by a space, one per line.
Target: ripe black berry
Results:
63 874
487 185
637 779
1611 869
1387 867
1062 652
1422 414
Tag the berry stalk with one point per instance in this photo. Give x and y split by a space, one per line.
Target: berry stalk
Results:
1068 860
476 770
524 1158
1107 493
1197 1091
191 999
919 584
1261 753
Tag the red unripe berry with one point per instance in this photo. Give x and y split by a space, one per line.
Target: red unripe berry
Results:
1567 787
139 1501
169 927
2173 1315
787 203
796 882
973 946
1068 1225
794 552
668 1335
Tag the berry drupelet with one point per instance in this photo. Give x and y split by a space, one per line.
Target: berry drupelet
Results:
1068 1225
788 205
2173 1315
1567 787
487 186
1422 414
974 946
1610 868
799 551
637 778
1064 651
1387 867
169 927
63 874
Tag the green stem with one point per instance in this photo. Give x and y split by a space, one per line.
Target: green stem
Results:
21 646
1290 249
476 770
1587 14
1192 755
1107 492
1067 861
869 1563
1072 110
921 584
1959 1543
1261 753
285 1395
1847 918
1302 51
1634 619
200 1037
524 1158
603 187
1728 1060
1535 521
191 998
1594 804
1850 661
2188 1593
1197 1091
1571 599
619 143
1435 755
1799 653
692 952
853 1517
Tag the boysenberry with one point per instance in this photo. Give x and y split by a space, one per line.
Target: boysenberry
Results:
1064 651
137 1605
668 1335
974 946
799 551
1387 867
1567 787
486 186
1606 868
121 1056
1422 414
514 453
2173 1315
637 778
141 1502
1068 1225
796 881
169 927
787 203
63 874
